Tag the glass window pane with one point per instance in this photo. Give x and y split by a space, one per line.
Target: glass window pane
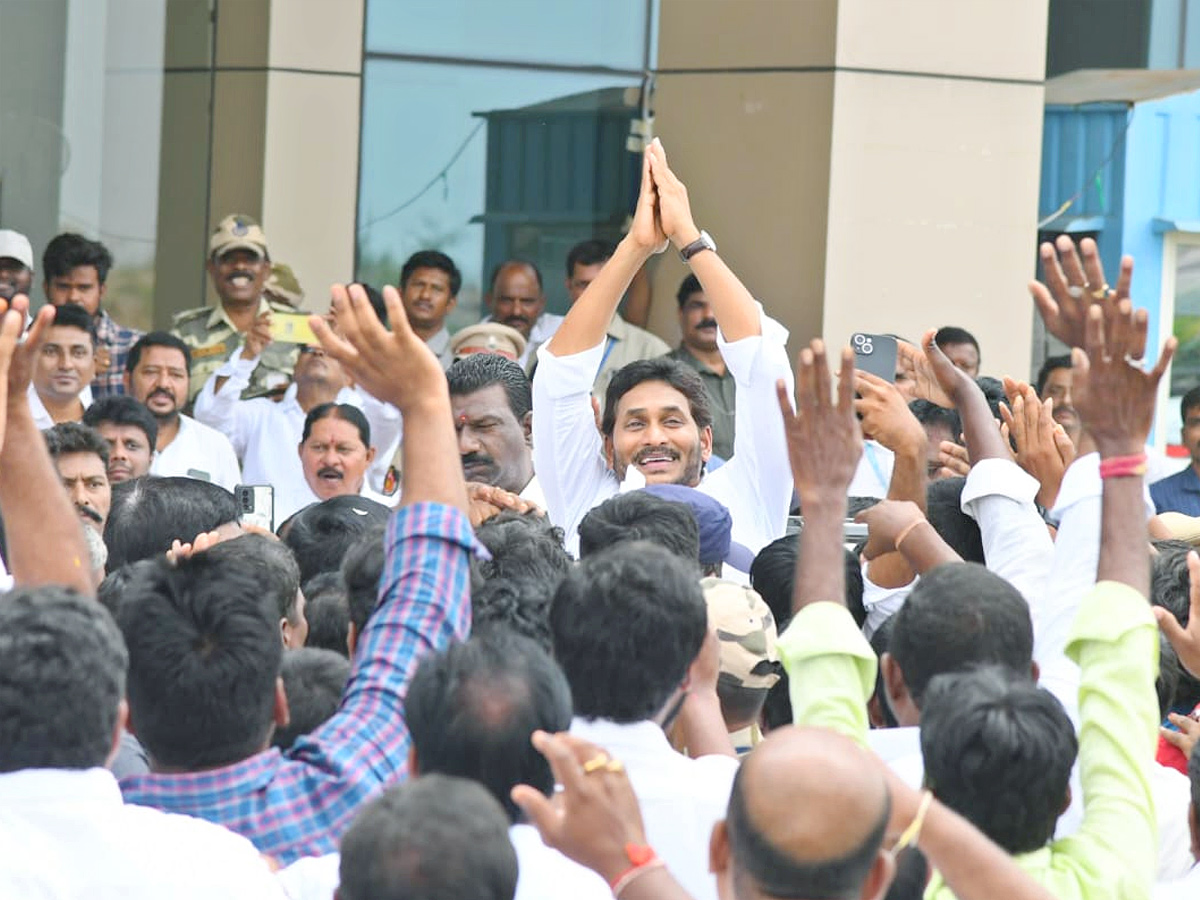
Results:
590 33
1185 370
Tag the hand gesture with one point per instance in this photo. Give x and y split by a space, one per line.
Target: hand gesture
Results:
675 211
24 355
885 415
487 501
706 667
647 231
916 366
258 337
10 332
394 366
1185 738
1073 285
1043 448
954 460
824 439
595 816
886 521
1186 641
181 550
1115 398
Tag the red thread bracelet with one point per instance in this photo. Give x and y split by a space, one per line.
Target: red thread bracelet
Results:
1123 466
641 857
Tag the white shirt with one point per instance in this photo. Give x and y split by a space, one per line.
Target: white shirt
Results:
266 435
67 835
542 873
755 484
199 452
533 493
681 798
874 473
41 417
1185 888
543 329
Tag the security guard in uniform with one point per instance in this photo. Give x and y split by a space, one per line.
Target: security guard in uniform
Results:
239 264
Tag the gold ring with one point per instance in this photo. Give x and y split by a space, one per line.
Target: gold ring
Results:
596 763
1101 292
615 765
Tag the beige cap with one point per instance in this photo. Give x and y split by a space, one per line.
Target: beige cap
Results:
238 232
1182 528
15 245
746 630
488 337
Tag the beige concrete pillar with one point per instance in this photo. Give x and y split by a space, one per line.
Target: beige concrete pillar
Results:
282 79
864 166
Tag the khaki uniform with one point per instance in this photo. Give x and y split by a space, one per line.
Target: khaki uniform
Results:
211 337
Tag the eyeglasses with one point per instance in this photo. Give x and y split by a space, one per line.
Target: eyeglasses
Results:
309 348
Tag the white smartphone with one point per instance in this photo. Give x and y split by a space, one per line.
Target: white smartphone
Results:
256 505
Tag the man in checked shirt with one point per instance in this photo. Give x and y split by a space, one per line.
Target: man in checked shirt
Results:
204 689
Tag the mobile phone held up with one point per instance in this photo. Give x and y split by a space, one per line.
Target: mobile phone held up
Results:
256 505
875 353
291 328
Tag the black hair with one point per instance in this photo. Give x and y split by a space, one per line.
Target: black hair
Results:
680 376
72 315
993 393
157 339
998 750
62 680
1051 363
148 513
912 876
274 567
930 414
321 533
589 253
75 437
690 285
327 612
880 642
760 867
472 709
399 845
957 616
343 411
952 334
313 680
121 409
482 370
361 568
1169 588
943 501
641 516
773 576
501 266
376 300
1190 400
69 251
627 624
518 605
432 259
204 653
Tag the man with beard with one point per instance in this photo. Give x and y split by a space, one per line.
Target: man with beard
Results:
239 265
16 264
516 299
657 426
698 349
81 456
157 375
492 406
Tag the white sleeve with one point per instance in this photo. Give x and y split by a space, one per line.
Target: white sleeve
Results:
756 482
224 410
568 452
1016 543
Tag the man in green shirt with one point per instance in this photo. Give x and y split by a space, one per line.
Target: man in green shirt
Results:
699 350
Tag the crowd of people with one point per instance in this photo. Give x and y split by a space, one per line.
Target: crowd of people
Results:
547 608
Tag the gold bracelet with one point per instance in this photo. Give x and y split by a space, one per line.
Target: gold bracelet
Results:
908 528
913 831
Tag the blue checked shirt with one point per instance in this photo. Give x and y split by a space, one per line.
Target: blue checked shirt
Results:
118 340
300 802
1177 493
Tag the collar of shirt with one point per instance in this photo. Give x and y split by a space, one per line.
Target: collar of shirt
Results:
105 326
439 342
624 740
218 315
41 415
35 787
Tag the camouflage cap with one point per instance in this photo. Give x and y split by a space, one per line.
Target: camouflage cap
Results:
488 337
284 286
746 630
237 232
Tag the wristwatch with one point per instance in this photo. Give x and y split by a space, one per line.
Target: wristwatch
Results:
704 242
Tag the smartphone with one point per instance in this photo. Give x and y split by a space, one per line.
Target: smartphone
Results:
291 328
875 353
256 505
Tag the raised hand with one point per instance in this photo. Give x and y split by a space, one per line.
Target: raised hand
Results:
10 332
823 437
1074 283
647 229
675 210
1115 398
258 337
21 362
916 366
1186 641
1043 448
394 366
885 415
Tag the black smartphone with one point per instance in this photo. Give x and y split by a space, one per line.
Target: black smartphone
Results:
875 353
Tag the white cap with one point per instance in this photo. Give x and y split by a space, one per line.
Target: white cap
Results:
16 246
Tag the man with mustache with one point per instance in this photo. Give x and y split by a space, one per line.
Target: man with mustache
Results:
81 456
239 265
657 425
429 284
699 349
157 375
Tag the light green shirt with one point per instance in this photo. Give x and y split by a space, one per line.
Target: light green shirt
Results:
831 670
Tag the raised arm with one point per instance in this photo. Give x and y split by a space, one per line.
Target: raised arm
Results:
45 538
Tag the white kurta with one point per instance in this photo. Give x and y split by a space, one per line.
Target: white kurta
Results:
199 452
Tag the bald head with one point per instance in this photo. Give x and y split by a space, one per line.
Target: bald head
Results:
806 819
516 298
